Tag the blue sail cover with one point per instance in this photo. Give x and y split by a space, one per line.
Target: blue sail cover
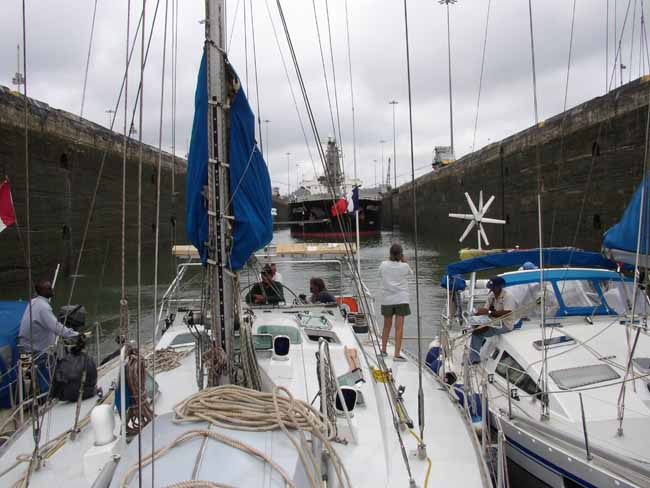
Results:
197 168
10 314
250 183
563 256
620 241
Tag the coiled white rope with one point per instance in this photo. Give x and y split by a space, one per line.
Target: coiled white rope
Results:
238 408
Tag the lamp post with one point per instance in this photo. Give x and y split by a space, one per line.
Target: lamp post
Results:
111 114
381 155
451 111
375 166
288 173
393 103
266 138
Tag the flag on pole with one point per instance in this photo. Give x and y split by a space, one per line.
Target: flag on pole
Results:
7 214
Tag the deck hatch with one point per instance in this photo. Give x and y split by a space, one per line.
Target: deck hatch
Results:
583 375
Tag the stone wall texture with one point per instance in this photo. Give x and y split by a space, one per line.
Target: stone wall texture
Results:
588 160
65 154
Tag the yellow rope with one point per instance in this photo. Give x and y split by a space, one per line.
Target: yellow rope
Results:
426 477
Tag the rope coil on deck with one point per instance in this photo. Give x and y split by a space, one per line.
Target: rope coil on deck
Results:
165 359
238 408
139 413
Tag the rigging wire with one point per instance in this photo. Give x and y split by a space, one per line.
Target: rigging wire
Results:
632 43
246 47
354 132
480 80
607 46
290 85
643 213
415 231
35 417
540 189
361 291
157 237
566 94
139 252
336 97
618 53
124 325
174 56
232 26
90 46
322 58
257 85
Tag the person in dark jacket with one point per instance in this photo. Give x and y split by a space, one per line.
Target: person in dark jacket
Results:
319 293
267 291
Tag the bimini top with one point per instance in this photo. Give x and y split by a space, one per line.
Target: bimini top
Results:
620 242
554 256
560 274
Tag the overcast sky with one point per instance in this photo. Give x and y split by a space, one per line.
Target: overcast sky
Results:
57 44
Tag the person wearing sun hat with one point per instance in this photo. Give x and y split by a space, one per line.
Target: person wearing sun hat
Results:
499 303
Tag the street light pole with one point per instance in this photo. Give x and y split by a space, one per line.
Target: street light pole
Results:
393 103
375 165
266 138
381 150
288 173
451 111
110 116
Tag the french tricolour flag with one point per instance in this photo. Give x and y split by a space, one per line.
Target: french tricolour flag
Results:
7 214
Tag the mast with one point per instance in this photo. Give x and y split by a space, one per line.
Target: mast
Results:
220 280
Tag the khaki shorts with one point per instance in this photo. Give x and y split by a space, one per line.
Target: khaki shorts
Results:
401 309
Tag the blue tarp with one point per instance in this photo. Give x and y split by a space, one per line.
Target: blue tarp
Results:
197 168
624 235
563 256
250 184
10 314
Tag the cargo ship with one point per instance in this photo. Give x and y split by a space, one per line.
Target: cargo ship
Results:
315 206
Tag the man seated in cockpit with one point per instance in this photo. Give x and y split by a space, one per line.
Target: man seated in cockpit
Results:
267 291
499 303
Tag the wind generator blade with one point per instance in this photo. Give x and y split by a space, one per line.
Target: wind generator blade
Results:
483 234
470 226
480 202
472 207
488 220
462 216
487 204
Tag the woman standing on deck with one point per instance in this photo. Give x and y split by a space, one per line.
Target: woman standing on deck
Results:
394 275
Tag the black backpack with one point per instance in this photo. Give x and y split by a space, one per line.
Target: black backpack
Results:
69 372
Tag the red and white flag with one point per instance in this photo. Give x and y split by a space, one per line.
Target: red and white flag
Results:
7 214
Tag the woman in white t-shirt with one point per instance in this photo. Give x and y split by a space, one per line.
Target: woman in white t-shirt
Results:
394 275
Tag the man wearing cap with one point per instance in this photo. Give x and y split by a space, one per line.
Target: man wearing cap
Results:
499 303
267 291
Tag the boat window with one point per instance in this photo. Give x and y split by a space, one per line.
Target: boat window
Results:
184 339
583 375
263 342
518 377
315 335
642 364
526 296
275 330
579 293
553 342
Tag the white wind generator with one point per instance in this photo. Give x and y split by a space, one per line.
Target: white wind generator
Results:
477 218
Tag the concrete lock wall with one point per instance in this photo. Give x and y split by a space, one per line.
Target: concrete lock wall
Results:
65 154
592 155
